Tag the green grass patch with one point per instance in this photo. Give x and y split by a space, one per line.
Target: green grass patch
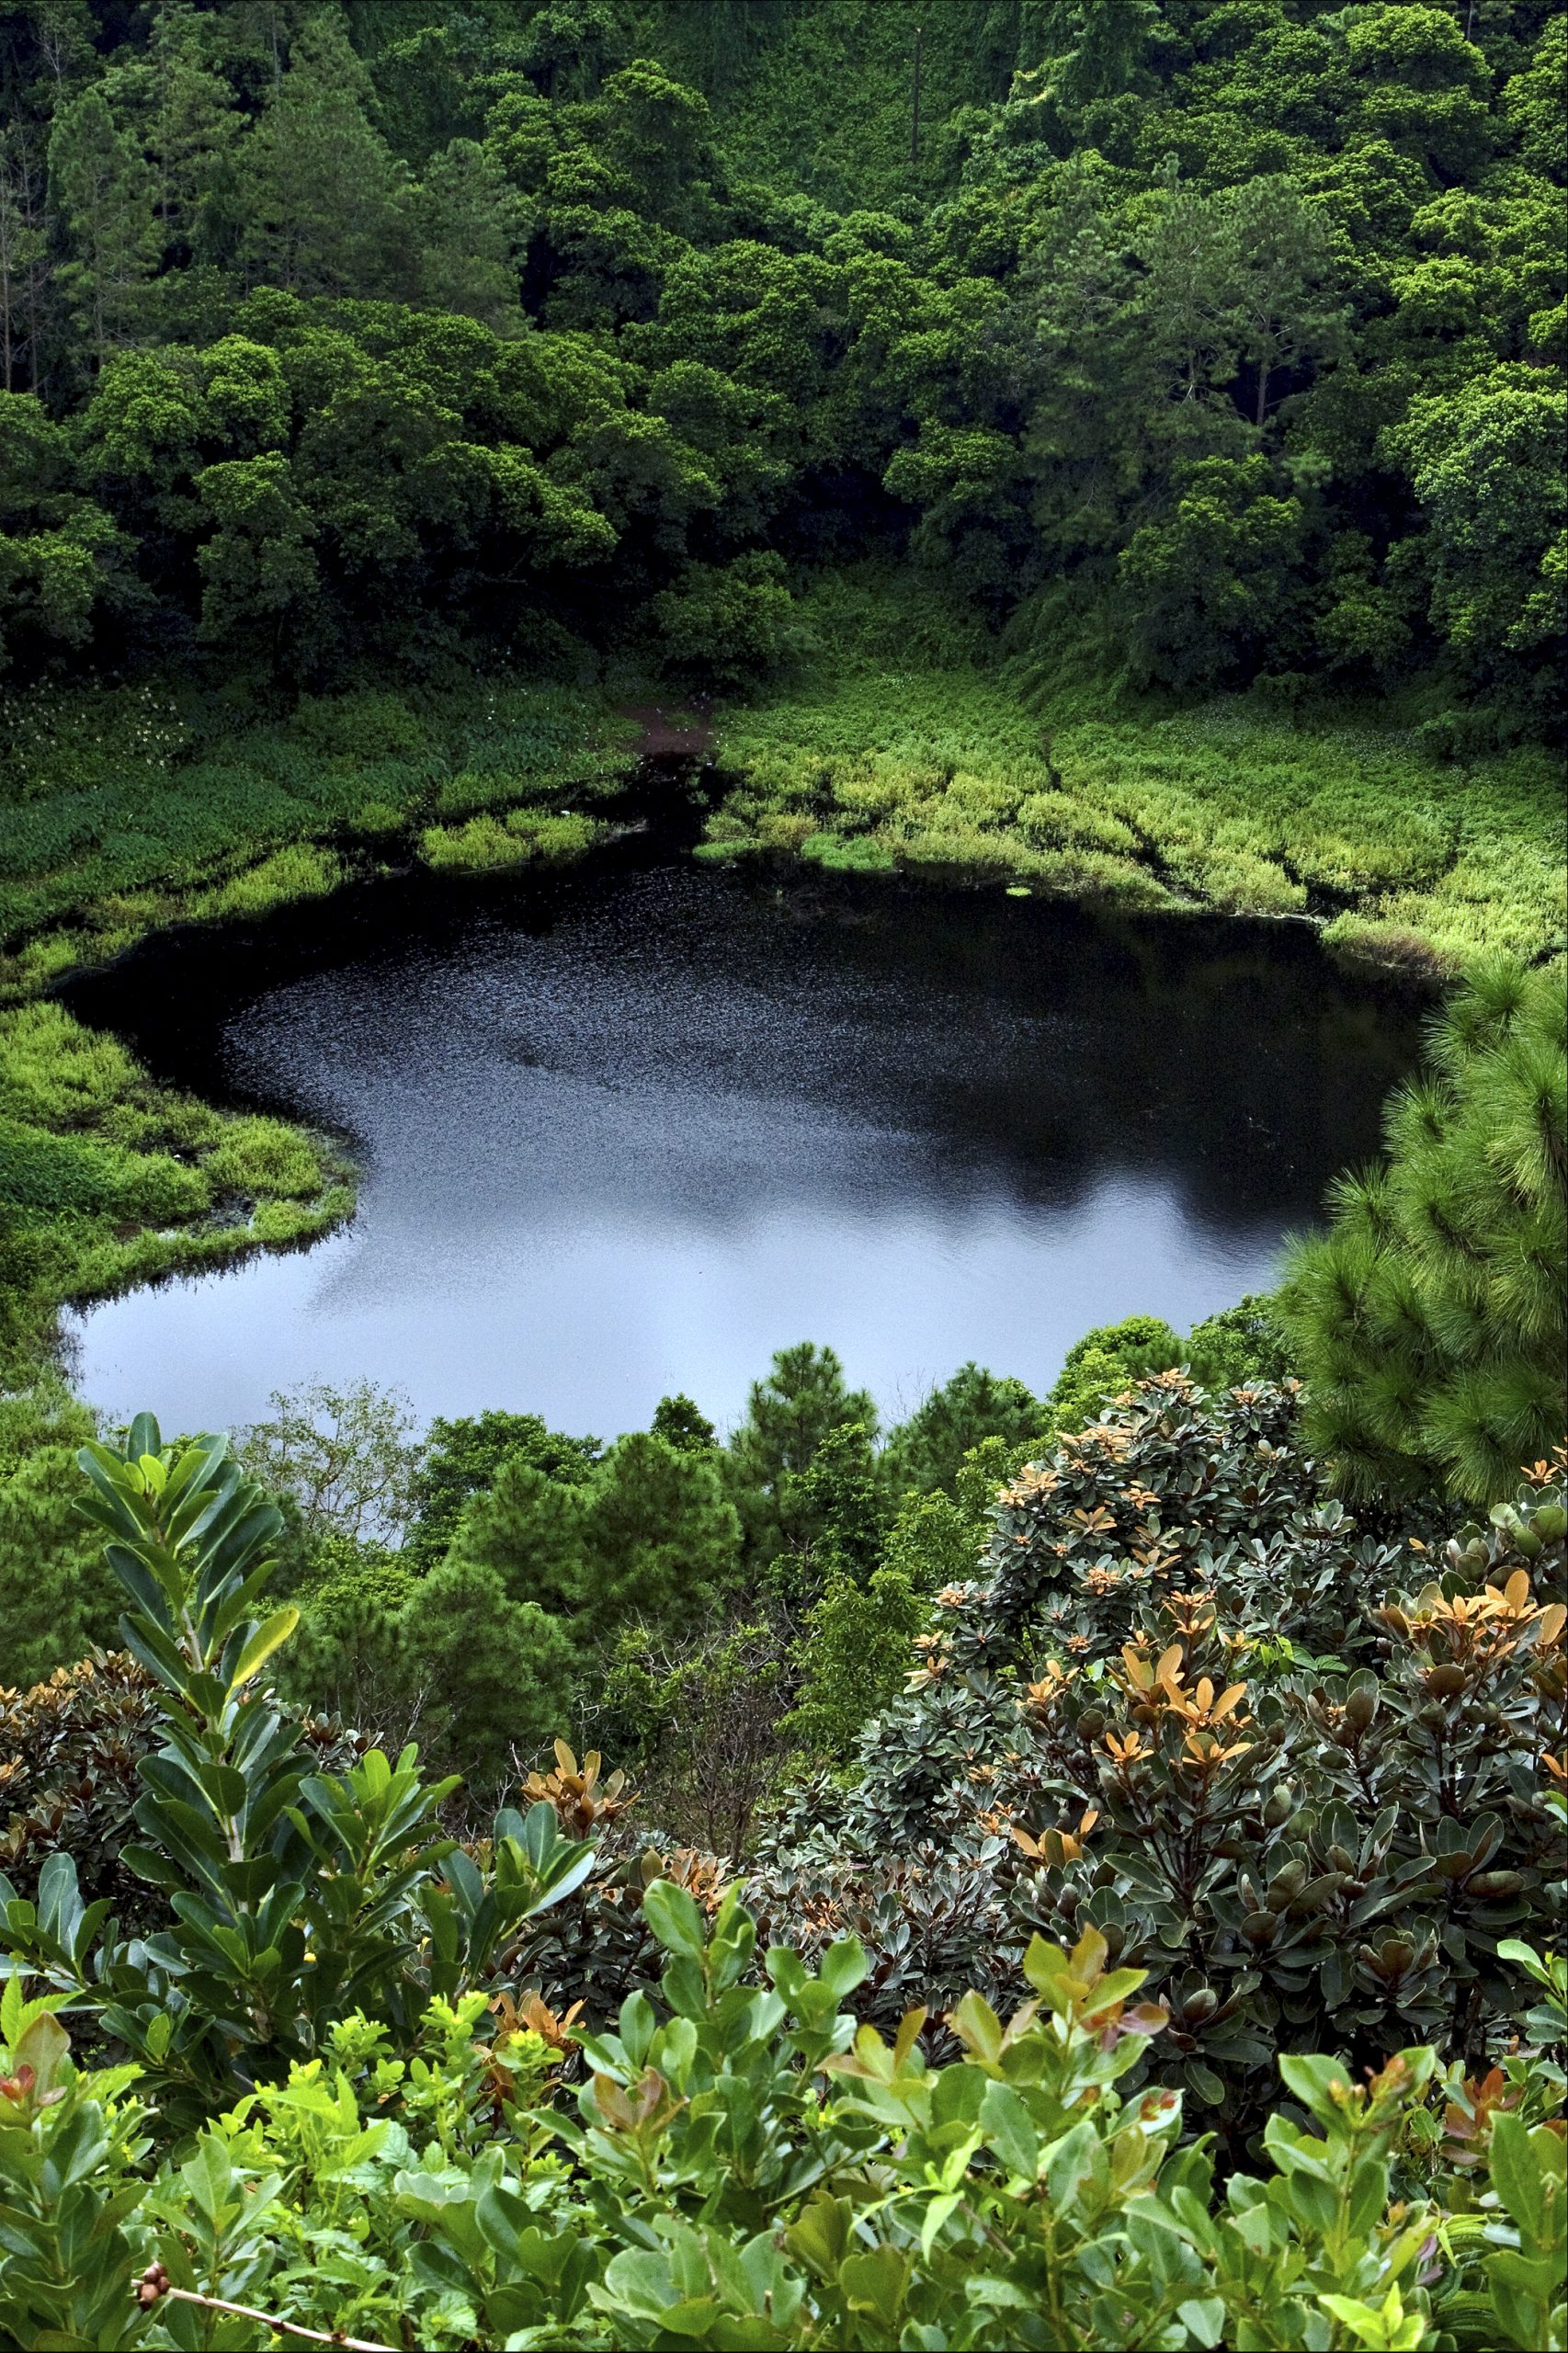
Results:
112 1180
523 836
303 870
1402 854
263 1157
125 808
68 1174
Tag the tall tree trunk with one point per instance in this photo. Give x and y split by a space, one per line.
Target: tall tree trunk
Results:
7 248
915 107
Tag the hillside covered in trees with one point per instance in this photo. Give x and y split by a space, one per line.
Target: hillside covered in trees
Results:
1192 346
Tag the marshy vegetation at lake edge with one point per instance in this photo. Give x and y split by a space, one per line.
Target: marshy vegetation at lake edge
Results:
889 762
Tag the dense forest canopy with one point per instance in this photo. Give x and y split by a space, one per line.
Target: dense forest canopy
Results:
1189 344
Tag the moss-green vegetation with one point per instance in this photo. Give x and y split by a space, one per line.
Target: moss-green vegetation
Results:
128 807
108 1179
522 837
871 763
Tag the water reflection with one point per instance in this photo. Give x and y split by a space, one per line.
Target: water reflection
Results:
634 1129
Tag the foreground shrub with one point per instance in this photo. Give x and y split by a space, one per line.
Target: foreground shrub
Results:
334 2099
290 1891
743 2167
70 1752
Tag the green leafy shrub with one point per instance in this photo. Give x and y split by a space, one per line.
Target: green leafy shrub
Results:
347 2105
1184 1700
71 1749
727 624
290 1891
749 2167
1110 1357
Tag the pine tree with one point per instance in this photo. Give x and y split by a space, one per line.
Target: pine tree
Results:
925 1451
1430 1323
55 1598
491 1677
192 130
788 1416
102 188
471 226
529 1529
462 1457
1279 296
660 1535
321 193
680 1422
834 1516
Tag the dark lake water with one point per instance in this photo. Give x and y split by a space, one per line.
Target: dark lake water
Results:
631 1129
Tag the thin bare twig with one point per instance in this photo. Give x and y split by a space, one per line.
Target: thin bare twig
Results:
270 2320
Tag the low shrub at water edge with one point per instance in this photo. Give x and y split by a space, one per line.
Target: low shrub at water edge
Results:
300 871
116 824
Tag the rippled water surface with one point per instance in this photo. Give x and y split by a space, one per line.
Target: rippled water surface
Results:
631 1131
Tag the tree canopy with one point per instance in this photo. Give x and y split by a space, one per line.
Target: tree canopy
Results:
1191 344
